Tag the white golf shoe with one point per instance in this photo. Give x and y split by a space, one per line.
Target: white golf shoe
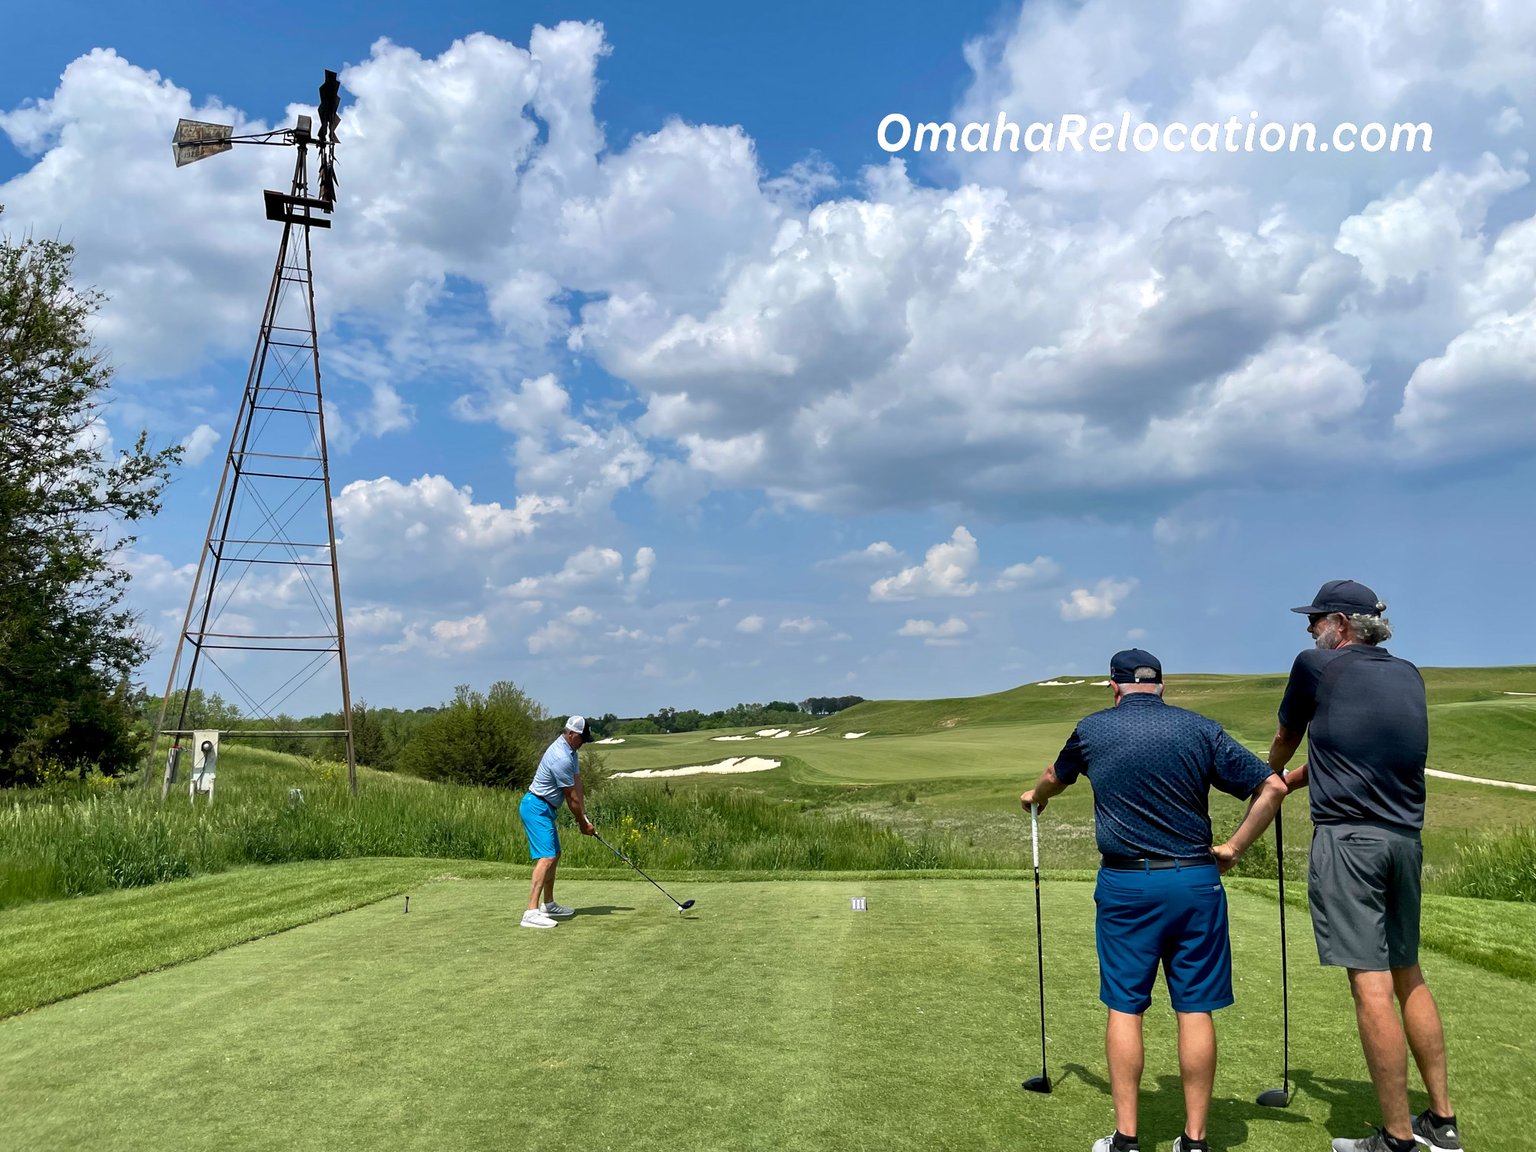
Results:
534 918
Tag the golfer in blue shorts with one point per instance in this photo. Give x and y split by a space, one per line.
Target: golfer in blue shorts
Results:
1159 894
556 781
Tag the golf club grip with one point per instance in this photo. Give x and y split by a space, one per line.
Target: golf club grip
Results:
1034 835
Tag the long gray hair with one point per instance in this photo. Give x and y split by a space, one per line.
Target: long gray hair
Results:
1370 629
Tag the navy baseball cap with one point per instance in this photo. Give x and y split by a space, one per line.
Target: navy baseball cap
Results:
1123 665
1347 596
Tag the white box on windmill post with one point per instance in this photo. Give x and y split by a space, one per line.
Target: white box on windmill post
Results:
205 762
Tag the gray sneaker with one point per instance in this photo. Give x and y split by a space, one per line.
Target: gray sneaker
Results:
1375 1142
1433 1135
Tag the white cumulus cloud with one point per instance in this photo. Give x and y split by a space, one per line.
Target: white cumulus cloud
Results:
1098 604
944 572
933 633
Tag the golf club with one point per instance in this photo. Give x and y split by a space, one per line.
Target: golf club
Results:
1280 1097
1042 1082
683 907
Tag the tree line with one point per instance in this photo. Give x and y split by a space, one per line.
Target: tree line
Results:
775 712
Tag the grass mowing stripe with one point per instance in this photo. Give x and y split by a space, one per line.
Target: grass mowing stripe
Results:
58 949
61 948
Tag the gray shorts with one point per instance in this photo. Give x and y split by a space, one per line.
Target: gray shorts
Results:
1363 882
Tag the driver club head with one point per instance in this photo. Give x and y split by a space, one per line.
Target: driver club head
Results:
685 905
1041 1084
1273 1098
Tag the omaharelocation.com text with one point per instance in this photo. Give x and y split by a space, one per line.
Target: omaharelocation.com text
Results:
1074 132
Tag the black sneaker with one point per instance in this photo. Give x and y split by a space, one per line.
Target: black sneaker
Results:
1433 1135
1377 1141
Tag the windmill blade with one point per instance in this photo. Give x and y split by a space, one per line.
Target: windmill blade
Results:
328 180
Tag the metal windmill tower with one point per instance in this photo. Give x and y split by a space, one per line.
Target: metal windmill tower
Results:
267 578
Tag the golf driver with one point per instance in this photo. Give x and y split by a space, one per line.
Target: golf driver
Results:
1042 1082
1280 1097
683 907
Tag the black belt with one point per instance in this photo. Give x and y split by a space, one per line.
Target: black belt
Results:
1143 863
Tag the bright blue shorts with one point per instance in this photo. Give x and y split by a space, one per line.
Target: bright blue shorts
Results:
1175 918
539 824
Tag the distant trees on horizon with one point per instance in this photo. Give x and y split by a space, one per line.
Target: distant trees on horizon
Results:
737 716
493 738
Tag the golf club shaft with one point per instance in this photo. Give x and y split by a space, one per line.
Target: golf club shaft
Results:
1285 994
1034 841
633 865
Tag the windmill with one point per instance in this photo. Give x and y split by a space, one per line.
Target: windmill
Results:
261 584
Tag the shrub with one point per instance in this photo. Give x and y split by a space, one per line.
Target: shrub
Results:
491 739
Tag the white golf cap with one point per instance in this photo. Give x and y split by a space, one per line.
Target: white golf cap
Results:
576 724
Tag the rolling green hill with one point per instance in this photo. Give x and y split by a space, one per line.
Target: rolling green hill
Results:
1481 724
958 765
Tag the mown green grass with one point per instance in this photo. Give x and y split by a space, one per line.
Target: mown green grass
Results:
53 950
770 1016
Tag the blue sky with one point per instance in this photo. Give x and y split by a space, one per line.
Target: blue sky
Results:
653 381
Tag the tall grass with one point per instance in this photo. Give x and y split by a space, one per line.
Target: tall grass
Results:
92 837
84 840
1494 867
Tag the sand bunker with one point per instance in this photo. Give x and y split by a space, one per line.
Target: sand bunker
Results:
771 731
734 764
854 735
807 731
733 737
1059 683
612 740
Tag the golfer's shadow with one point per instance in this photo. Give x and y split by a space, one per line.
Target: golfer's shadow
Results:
1161 1111
1352 1103
602 909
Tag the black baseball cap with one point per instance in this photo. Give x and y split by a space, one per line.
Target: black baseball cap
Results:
1123 665
1347 596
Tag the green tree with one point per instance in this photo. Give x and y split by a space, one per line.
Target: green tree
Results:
67 646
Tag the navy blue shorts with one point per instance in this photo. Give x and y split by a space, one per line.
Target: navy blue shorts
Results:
539 826
1175 918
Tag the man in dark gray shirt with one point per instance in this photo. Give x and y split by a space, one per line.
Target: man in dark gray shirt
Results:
1364 714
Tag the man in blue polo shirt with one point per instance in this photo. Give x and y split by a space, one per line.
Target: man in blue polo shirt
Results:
1159 894
556 781
1366 720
